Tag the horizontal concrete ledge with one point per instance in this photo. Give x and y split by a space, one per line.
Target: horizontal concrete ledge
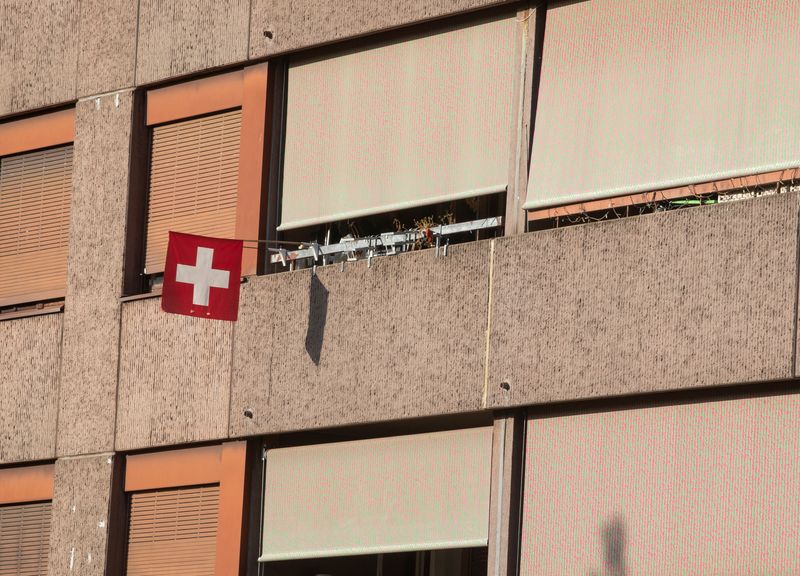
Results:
680 299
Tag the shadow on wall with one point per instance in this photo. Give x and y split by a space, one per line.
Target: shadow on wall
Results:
612 538
317 317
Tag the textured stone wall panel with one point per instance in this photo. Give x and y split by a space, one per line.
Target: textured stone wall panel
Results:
680 299
94 282
79 530
38 53
107 51
174 383
30 352
401 339
184 36
304 23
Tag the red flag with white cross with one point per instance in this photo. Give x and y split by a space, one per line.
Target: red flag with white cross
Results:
202 276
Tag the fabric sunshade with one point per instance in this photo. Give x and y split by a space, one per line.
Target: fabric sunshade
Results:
35 191
405 493
638 96
24 539
400 124
194 174
173 531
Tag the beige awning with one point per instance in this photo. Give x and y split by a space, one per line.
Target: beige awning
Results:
418 492
400 124
638 96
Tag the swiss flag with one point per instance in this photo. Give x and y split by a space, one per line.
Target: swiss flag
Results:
202 276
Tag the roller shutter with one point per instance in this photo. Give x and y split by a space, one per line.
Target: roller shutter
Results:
400 494
400 124
647 95
193 181
35 191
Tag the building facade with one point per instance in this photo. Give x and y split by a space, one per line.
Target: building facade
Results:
596 373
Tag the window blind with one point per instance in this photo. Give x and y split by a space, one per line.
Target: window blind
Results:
35 191
24 539
193 181
638 96
173 531
401 124
399 494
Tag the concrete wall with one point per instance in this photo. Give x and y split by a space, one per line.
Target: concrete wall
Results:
80 523
711 488
184 36
401 339
174 377
94 282
673 300
669 301
55 51
30 353
297 25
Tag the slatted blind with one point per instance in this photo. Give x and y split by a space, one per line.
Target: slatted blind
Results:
173 531
35 190
24 539
193 181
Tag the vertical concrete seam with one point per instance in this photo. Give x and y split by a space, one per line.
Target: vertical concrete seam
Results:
78 48
249 35
520 117
488 326
500 495
795 318
119 372
58 390
136 45
230 380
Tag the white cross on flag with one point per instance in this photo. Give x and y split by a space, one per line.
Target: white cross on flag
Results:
201 276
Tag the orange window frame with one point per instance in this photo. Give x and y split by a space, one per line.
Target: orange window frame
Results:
25 484
223 464
27 135
247 89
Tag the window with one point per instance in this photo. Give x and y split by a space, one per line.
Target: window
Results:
206 150
25 512
410 132
185 510
414 505
35 193
640 96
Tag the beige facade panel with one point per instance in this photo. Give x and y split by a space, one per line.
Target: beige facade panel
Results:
174 378
277 27
639 96
406 123
673 300
401 339
397 494
79 530
94 282
711 488
107 51
38 53
30 352
184 36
